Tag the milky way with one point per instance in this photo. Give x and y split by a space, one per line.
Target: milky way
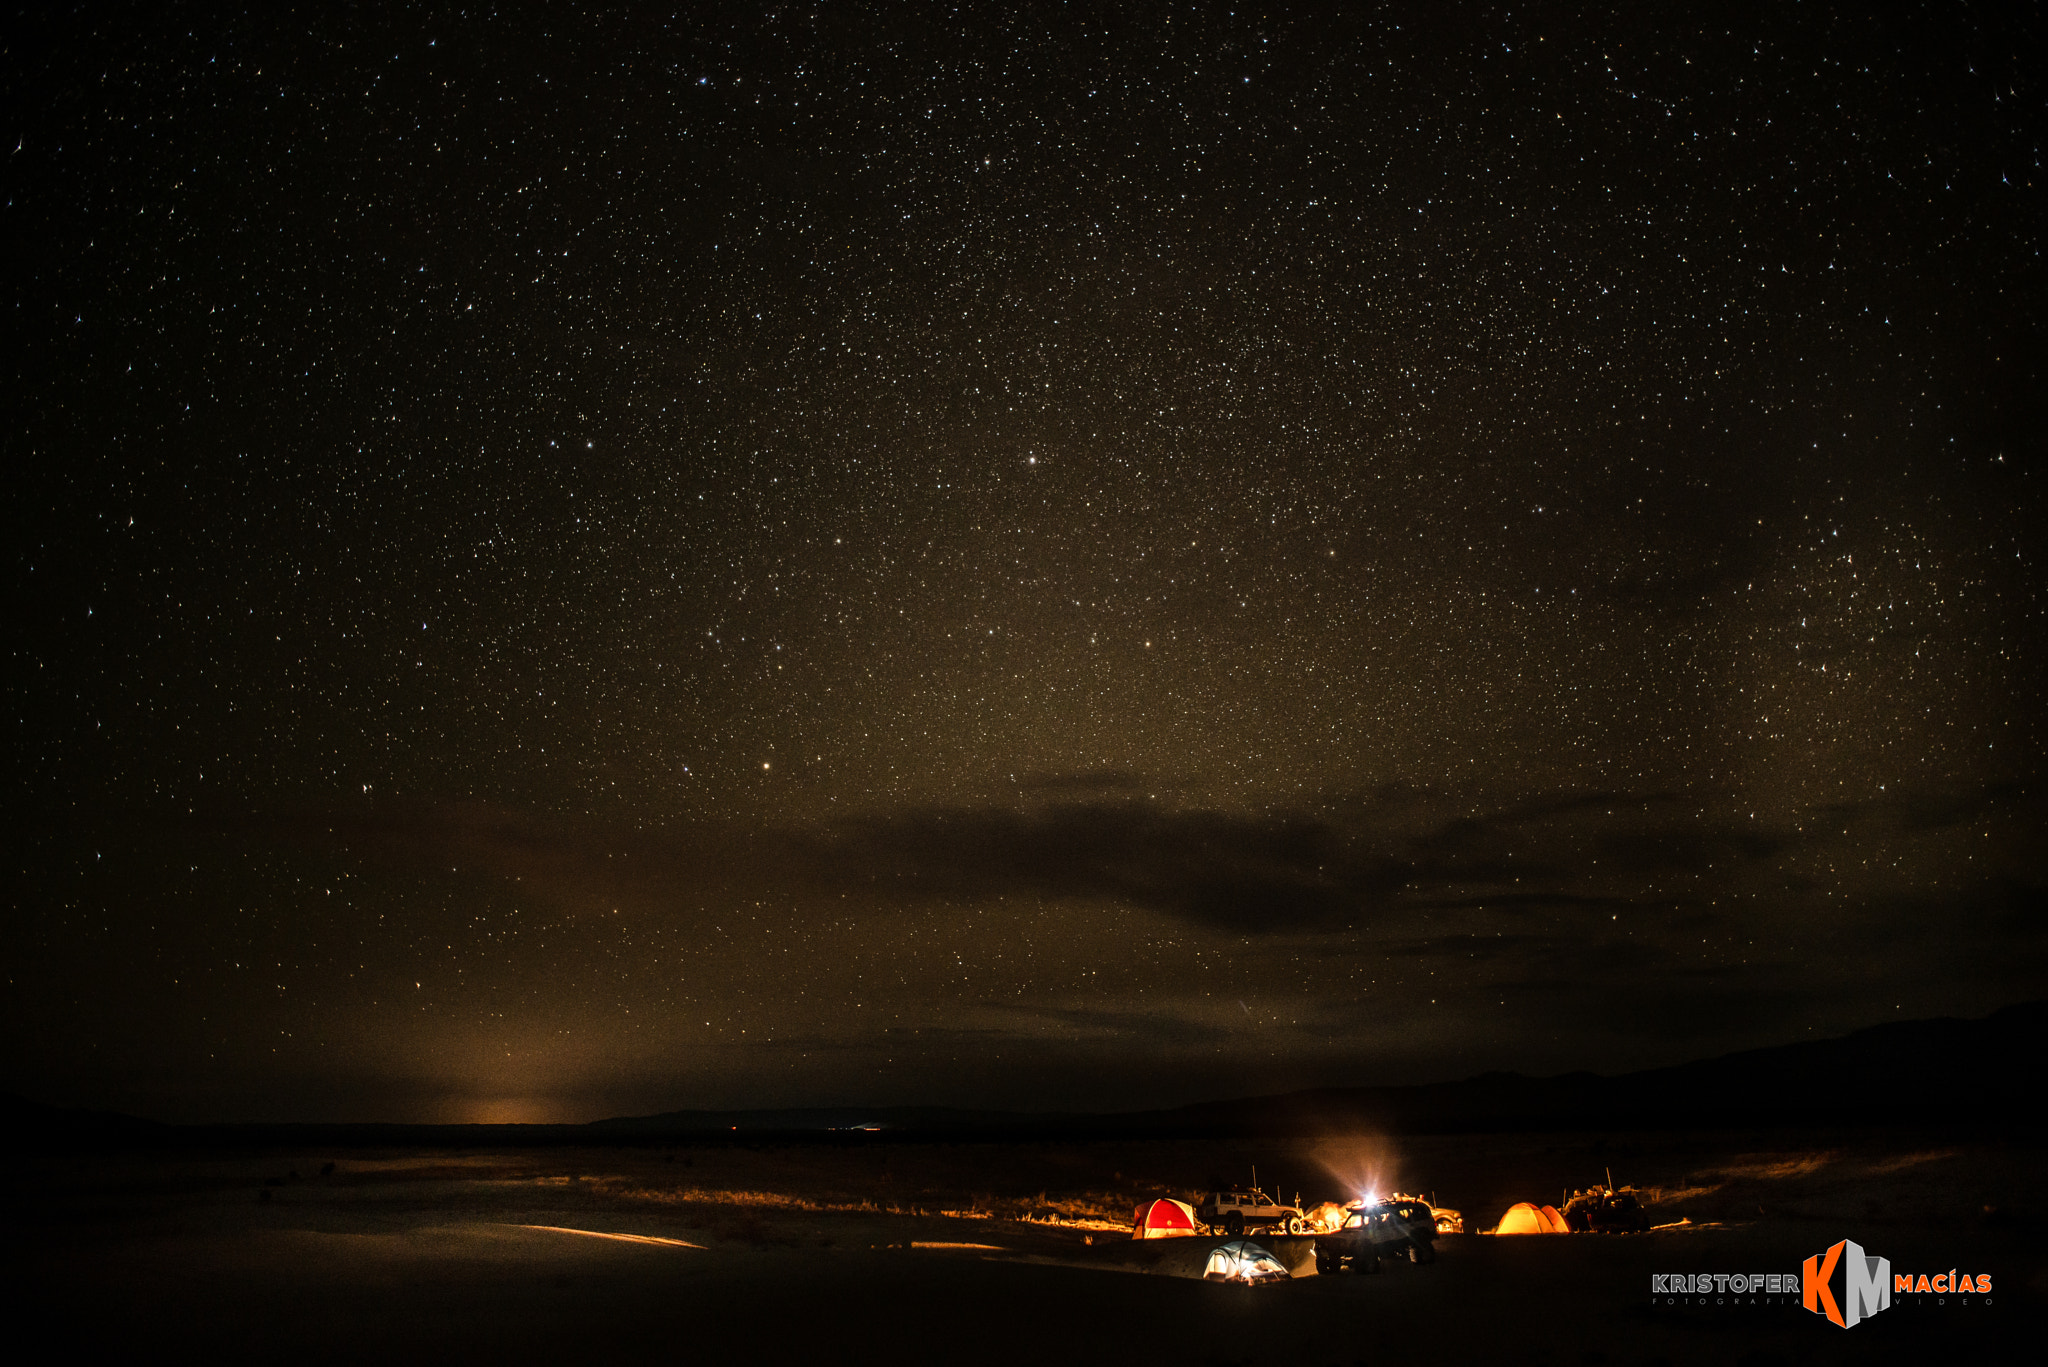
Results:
565 566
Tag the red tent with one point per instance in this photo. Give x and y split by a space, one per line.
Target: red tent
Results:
1165 1218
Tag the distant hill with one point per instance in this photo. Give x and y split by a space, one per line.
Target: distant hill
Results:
1929 1071
21 1119
1938 1073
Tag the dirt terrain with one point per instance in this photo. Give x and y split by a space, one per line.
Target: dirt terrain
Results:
991 1252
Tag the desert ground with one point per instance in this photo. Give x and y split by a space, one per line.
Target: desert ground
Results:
913 1252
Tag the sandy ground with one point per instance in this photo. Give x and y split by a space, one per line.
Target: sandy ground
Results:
800 1253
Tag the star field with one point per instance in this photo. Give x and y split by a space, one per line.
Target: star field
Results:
564 565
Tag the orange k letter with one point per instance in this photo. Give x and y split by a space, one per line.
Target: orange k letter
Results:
1821 1300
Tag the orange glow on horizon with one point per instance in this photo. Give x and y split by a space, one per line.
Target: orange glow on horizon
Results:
513 1110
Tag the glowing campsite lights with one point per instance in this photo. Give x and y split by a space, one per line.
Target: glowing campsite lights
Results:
1245 1263
1525 1218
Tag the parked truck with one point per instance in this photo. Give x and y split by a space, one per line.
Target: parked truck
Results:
1404 1227
1603 1210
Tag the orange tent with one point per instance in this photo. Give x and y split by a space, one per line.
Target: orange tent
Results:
1524 1218
1165 1218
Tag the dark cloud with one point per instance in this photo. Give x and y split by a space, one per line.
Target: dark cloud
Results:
1319 870
1276 874
1482 948
1682 847
1153 1027
1539 810
1548 901
1242 873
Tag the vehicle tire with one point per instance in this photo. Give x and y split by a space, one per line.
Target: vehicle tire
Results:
1328 1263
1421 1251
1295 1225
1233 1225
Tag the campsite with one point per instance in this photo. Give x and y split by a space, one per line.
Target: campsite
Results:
770 1251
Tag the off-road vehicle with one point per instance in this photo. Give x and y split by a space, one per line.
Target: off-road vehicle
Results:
1401 1228
1602 1210
1235 1212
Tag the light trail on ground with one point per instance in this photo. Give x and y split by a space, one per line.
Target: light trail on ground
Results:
622 1238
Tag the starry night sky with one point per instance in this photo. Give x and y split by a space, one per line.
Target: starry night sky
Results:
1107 556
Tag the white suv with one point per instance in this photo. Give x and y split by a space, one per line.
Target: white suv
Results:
1234 1212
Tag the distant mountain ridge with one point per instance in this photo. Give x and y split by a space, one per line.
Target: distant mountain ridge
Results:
1943 1071
1985 1070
